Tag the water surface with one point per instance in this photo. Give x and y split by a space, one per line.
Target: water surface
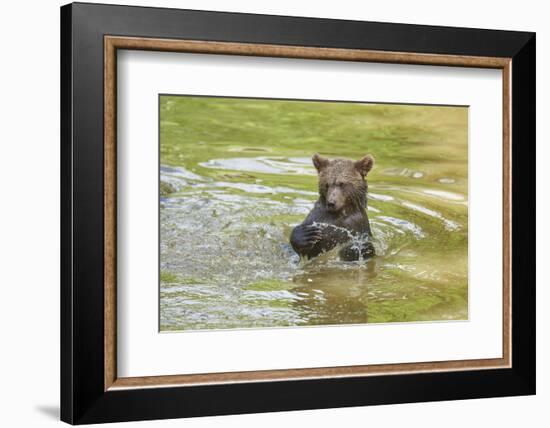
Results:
236 177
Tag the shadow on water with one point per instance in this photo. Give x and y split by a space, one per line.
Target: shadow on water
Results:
329 293
227 210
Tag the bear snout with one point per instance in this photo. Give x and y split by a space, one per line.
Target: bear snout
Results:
335 199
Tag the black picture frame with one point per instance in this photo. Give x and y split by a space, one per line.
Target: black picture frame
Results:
83 398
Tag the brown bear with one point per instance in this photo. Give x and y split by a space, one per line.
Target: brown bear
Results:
339 216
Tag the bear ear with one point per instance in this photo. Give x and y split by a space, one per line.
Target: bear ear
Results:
319 161
364 165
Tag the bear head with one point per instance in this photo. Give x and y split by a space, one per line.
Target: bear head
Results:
342 182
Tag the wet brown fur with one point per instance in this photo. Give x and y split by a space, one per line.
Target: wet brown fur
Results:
342 202
343 174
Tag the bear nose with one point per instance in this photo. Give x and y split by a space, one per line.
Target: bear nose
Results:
331 205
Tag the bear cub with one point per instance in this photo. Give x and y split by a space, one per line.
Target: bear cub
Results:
339 216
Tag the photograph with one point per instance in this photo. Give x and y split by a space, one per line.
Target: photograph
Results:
296 213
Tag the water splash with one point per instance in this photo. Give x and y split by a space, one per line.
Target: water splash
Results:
356 241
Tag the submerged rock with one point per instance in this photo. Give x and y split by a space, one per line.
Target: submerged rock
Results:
166 188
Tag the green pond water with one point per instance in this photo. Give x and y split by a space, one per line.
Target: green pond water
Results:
236 176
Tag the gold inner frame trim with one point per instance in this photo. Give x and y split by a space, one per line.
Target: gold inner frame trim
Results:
113 43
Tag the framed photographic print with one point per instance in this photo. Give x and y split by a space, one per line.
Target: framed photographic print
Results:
264 213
